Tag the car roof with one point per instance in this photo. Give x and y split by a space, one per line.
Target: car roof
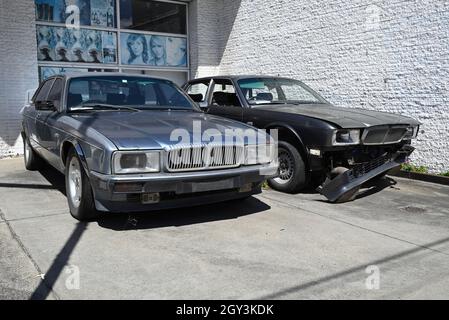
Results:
104 74
238 77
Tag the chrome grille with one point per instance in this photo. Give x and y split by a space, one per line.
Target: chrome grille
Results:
383 134
203 157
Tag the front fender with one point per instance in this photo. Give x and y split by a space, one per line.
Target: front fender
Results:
291 130
73 143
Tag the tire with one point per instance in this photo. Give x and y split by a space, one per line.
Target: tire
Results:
78 189
292 170
32 160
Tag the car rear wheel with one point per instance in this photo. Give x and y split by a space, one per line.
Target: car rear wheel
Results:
292 170
32 160
78 189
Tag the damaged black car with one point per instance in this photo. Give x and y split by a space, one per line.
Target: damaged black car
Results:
332 148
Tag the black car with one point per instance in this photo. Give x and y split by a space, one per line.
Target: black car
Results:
334 148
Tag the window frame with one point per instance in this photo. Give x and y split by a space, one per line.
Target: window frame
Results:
117 29
61 93
33 99
205 103
236 90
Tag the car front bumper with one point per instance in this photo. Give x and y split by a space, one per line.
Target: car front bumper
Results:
345 185
130 193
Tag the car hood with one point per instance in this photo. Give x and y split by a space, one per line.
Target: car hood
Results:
151 129
341 117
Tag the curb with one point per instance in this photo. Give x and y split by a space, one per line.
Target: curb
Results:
422 177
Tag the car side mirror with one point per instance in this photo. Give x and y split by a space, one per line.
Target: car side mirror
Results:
45 106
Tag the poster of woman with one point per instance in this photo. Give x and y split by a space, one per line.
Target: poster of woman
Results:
176 52
158 51
61 49
134 49
45 43
93 46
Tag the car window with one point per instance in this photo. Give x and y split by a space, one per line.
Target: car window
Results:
55 92
277 91
137 92
43 92
198 91
223 93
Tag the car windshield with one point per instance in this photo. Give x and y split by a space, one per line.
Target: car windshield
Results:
125 93
277 91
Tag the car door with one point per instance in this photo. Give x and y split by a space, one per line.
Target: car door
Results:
252 114
34 114
223 100
198 91
51 135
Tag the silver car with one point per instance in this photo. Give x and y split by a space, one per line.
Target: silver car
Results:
129 143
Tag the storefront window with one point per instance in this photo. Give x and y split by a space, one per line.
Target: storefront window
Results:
159 41
99 13
46 72
72 45
155 16
153 50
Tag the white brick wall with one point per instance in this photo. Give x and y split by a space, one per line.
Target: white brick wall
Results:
400 64
18 68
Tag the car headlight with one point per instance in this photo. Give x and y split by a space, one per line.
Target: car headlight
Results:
136 161
346 137
260 154
412 132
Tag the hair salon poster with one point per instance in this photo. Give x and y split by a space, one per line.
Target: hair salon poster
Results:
76 45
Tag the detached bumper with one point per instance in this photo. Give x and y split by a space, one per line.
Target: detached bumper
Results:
130 193
344 186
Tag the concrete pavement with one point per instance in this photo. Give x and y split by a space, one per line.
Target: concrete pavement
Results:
274 245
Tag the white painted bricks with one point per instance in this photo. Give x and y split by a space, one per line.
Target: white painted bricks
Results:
389 56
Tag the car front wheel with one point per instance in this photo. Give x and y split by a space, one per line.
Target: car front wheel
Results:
292 170
78 189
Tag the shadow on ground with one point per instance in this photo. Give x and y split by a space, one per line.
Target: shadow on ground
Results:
183 216
53 176
163 218
123 222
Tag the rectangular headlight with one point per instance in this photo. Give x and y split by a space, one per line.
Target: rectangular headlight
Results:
135 162
412 132
346 137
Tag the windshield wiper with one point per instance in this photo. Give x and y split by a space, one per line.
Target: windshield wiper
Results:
304 102
100 106
168 109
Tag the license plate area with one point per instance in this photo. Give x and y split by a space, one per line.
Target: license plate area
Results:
203 186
